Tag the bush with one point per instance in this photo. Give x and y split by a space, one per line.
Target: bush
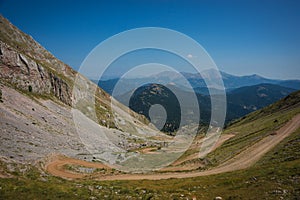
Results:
30 88
1 96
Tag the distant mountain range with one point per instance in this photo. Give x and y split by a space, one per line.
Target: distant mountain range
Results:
196 81
240 102
232 81
245 94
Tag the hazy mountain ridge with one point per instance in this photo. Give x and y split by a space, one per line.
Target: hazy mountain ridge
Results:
240 102
196 81
244 93
233 81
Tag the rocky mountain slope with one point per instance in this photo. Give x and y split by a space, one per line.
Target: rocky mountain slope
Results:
38 102
26 65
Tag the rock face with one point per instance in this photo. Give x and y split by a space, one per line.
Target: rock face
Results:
26 45
27 74
27 66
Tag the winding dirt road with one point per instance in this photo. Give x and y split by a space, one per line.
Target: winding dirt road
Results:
241 161
56 167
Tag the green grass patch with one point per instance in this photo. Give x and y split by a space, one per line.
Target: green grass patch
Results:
250 130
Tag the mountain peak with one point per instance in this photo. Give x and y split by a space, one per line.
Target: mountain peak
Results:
256 76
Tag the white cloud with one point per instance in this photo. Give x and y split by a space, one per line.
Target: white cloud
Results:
190 56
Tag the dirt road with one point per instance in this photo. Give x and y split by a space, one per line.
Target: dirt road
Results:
241 161
56 167
176 166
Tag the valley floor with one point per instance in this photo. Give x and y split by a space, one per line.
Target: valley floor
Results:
241 161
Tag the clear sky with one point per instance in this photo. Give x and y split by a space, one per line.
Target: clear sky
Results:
243 37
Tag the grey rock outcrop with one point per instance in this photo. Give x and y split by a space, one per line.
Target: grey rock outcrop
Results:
26 45
27 74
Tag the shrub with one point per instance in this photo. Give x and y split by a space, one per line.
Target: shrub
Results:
30 88
1 96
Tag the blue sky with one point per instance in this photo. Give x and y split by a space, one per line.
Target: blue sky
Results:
242 37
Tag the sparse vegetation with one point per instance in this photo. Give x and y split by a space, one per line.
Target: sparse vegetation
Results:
256 126
1 101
